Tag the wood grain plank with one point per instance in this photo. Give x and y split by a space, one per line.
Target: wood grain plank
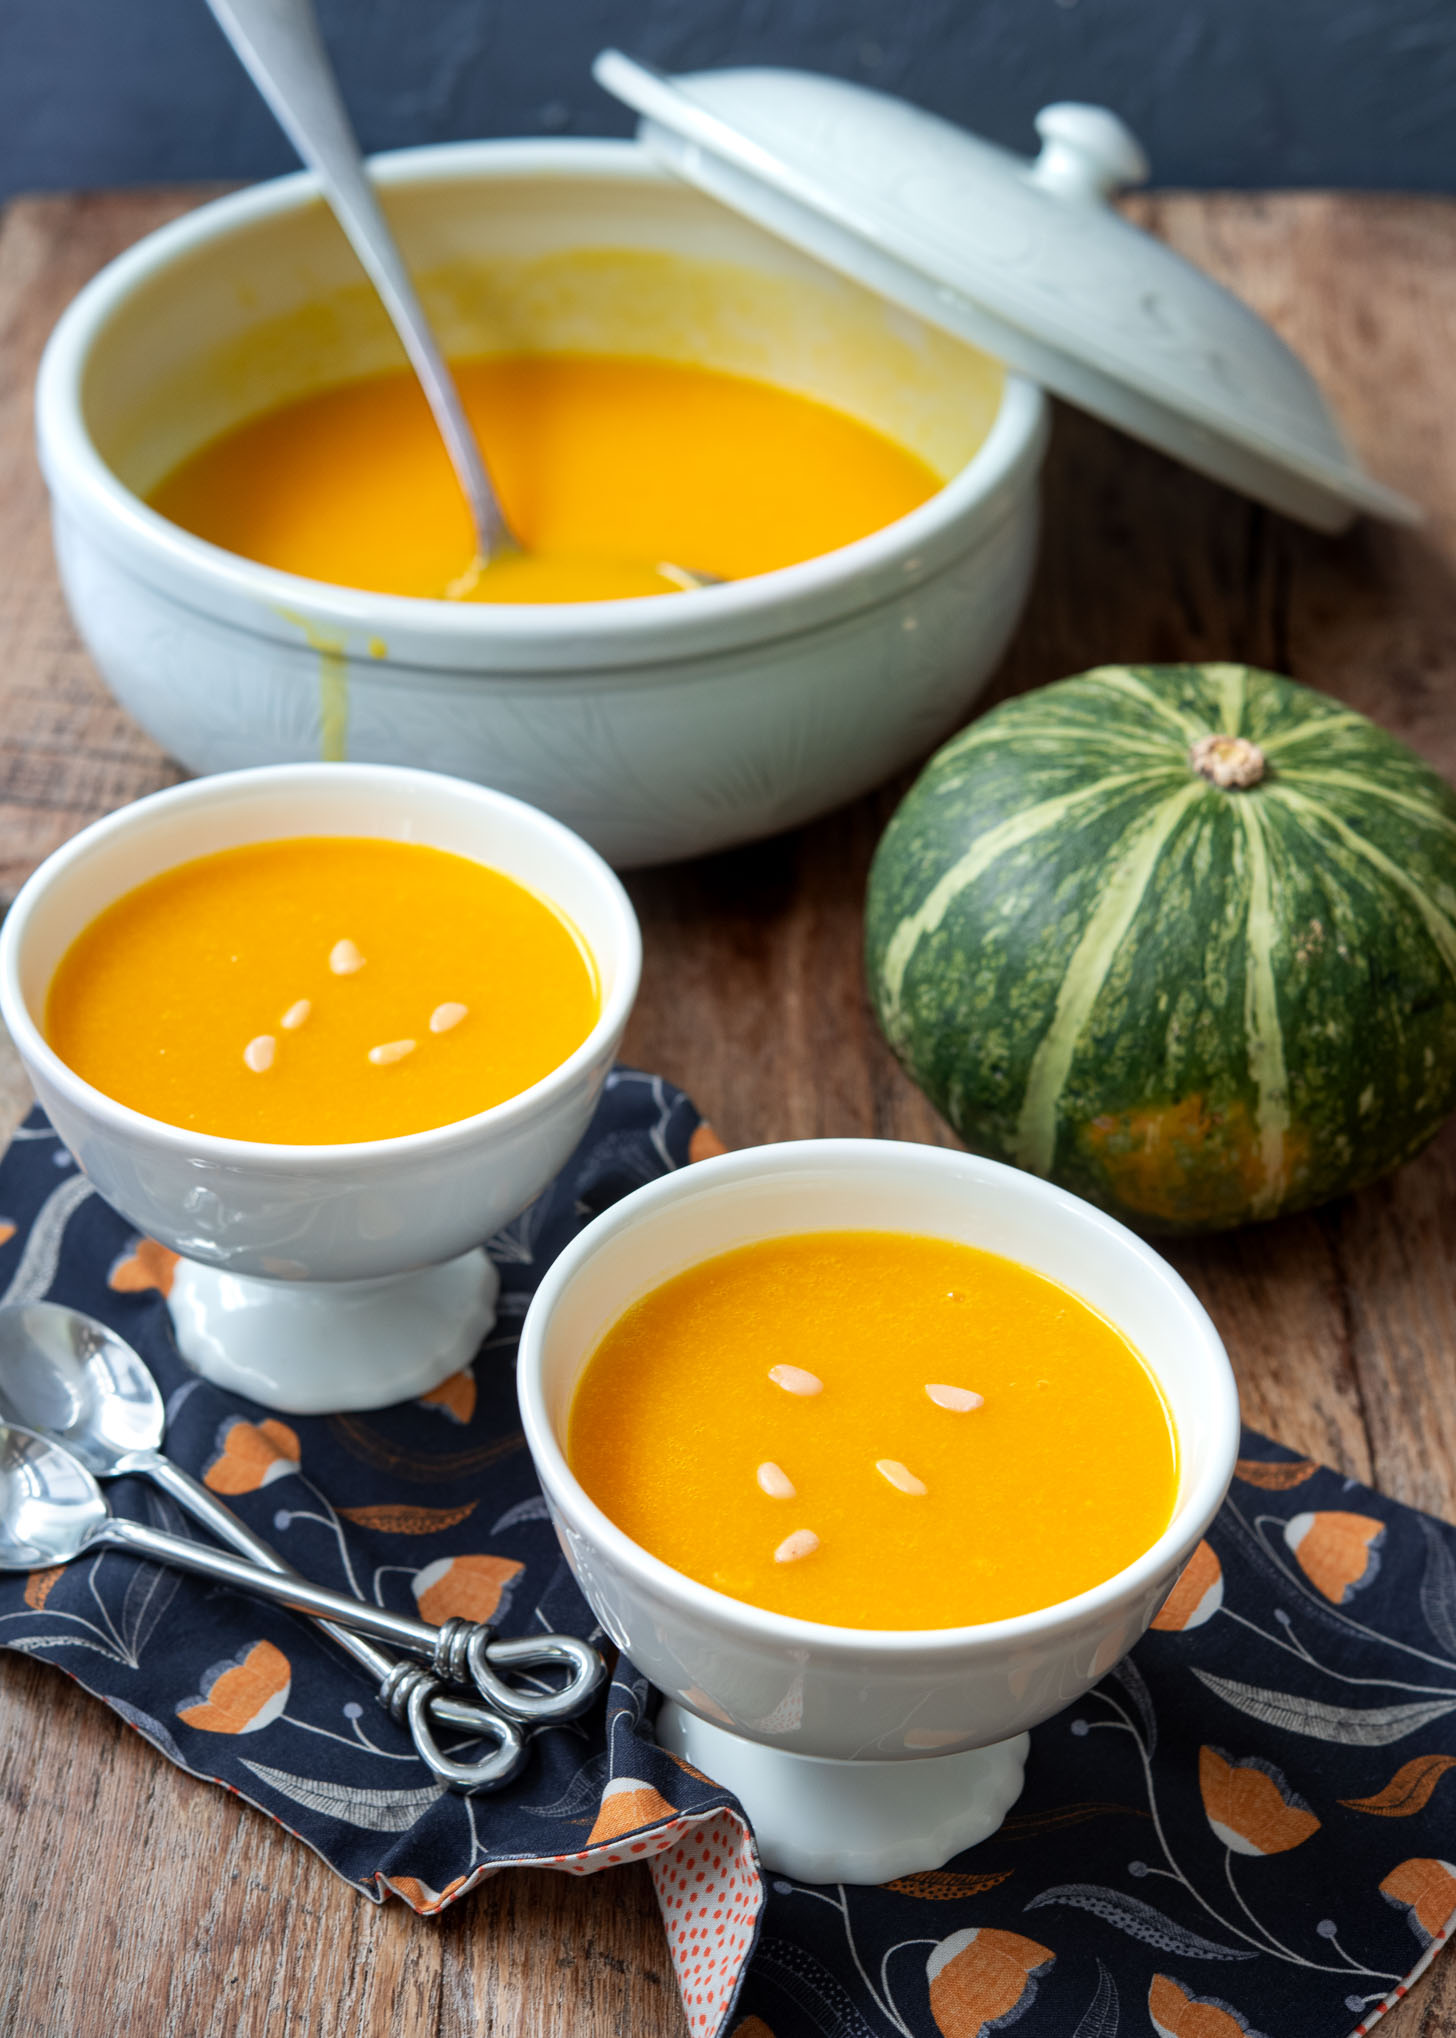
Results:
198 1915
67 751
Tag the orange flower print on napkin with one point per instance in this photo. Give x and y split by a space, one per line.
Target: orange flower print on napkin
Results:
241 1695
627 1804
979 1977
704 1143
419 1895
1177 2013
147 1265
473 1588
1196 1597
7 1231
1250 1805
1426 1891
252 1454
454 1398
39 1585
1338 1553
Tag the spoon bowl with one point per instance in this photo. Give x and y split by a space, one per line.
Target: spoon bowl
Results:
69 1376
51 1509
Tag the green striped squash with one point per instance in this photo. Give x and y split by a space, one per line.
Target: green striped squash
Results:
1180 937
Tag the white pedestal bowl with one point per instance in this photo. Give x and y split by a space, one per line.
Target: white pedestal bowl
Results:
322 1277
861 1754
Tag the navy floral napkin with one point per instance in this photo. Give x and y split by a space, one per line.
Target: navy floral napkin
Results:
1238 1834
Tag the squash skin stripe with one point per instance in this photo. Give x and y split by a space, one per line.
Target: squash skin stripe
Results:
1118 679
1011 834
983 736
1314 776
1263 1033
1233 684
1319 725
1036 1131
1437 925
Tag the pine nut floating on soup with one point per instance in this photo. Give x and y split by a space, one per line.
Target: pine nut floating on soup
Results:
322 990
875 1429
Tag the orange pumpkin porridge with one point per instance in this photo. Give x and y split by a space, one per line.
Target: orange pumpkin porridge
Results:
322 989
875 1429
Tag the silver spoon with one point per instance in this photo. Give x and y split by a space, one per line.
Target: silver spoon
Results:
72 1381
52 1511
282 51
78 1383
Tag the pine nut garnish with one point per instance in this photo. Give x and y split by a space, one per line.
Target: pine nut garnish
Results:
802 1543
794 1380
391 1050
447 1015
775 1481
344 958
900 1476
259 1053
959 1400
294 1017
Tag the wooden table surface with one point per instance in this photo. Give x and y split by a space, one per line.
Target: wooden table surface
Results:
134 1899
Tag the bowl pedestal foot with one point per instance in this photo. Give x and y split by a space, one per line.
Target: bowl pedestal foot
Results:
818 1820
319 1347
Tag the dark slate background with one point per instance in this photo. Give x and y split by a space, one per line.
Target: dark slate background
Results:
1222 92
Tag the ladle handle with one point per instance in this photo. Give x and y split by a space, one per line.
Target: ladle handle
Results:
281 48
204 1507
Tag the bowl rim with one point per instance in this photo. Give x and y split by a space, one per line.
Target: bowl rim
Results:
764 604
125 1122
1195 1508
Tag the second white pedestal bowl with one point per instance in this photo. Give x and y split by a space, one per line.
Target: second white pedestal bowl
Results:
322 1277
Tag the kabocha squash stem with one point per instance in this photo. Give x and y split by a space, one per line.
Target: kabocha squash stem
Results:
1193 1010
1232 762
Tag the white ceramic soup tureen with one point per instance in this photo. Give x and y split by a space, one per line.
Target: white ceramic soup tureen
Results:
830 239
655 728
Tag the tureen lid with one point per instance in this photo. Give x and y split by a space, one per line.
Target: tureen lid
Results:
1026 260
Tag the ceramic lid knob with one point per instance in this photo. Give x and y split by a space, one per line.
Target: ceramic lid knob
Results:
1086 152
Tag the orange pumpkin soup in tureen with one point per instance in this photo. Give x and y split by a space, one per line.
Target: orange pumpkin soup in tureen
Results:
615 472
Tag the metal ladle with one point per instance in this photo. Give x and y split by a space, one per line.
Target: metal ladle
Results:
77 1383
280 47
